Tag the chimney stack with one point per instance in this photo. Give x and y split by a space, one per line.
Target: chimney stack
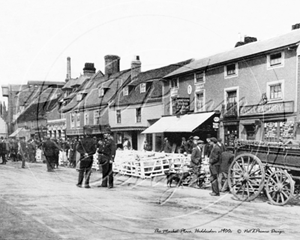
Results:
135 67
89 69
68 69
296 26
112 64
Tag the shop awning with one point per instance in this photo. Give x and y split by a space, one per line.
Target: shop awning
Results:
184 123
20 132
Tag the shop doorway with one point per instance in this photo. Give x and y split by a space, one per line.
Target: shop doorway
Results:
230 134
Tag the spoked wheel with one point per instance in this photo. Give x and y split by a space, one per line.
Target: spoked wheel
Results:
246 177
280 187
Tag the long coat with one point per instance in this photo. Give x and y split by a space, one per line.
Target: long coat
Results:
215 159
86 146
196 156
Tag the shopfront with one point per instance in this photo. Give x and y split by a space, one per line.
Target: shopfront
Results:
272 122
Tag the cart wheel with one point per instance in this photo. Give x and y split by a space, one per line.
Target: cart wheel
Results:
280 187
246 177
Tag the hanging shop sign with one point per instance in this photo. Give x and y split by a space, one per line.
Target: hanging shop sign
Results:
270 108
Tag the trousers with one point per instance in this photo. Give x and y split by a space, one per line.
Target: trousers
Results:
107 175
84 173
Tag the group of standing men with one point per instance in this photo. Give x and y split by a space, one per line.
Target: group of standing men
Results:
219 160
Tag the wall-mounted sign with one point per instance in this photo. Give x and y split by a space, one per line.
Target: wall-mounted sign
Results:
270 108
181 105
189 89
216 119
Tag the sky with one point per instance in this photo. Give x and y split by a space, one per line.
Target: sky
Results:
37 36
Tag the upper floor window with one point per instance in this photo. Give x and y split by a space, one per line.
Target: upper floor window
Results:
138 115
175 83
96 117
72 120
78 119
143 87
231 70
199 101
231 96
125 91
199 77
275 90
118 113
275 60
86 118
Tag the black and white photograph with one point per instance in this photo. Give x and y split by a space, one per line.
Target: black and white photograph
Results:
149 119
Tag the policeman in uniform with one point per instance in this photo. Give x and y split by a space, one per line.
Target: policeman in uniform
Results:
87 148
107 151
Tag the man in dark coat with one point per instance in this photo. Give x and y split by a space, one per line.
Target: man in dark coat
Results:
226 159
166 147
14 150
23 151
107 152
214 165
196 160
87 148
50 149
3 150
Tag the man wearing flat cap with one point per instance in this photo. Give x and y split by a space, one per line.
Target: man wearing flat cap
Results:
106 155
214 165
87 148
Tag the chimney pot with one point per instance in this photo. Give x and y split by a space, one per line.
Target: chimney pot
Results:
135 67
89 69
68 77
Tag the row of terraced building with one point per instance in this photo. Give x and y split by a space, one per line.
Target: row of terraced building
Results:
248 92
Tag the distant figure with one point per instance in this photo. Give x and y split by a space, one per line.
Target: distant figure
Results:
126 144
22 151
214 166
221 145
87 148
50 149
3 150
146 146
184 148
166 147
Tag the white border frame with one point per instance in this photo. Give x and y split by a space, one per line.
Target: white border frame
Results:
269 84
233 75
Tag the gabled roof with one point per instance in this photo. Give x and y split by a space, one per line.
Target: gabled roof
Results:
246 50
154 86
113 84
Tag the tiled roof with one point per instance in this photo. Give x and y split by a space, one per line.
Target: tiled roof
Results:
37 110
246 50
154 86
93 99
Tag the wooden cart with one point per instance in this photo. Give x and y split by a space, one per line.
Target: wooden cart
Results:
261 166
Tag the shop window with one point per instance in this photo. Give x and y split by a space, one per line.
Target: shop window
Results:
199 101
118 113
278 131
251 131
138 115
231 70
231 133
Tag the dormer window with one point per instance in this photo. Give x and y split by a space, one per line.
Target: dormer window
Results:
231 70
101 92
142 87
199 77
125 91
275 60
175 83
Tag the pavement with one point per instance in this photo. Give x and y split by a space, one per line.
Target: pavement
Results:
36 204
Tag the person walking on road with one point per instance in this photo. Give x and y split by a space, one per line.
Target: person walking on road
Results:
214 165
107 152
22 151
3 150
87 148
50 150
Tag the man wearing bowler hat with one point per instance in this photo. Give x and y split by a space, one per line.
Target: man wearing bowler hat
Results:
107 152
87 148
